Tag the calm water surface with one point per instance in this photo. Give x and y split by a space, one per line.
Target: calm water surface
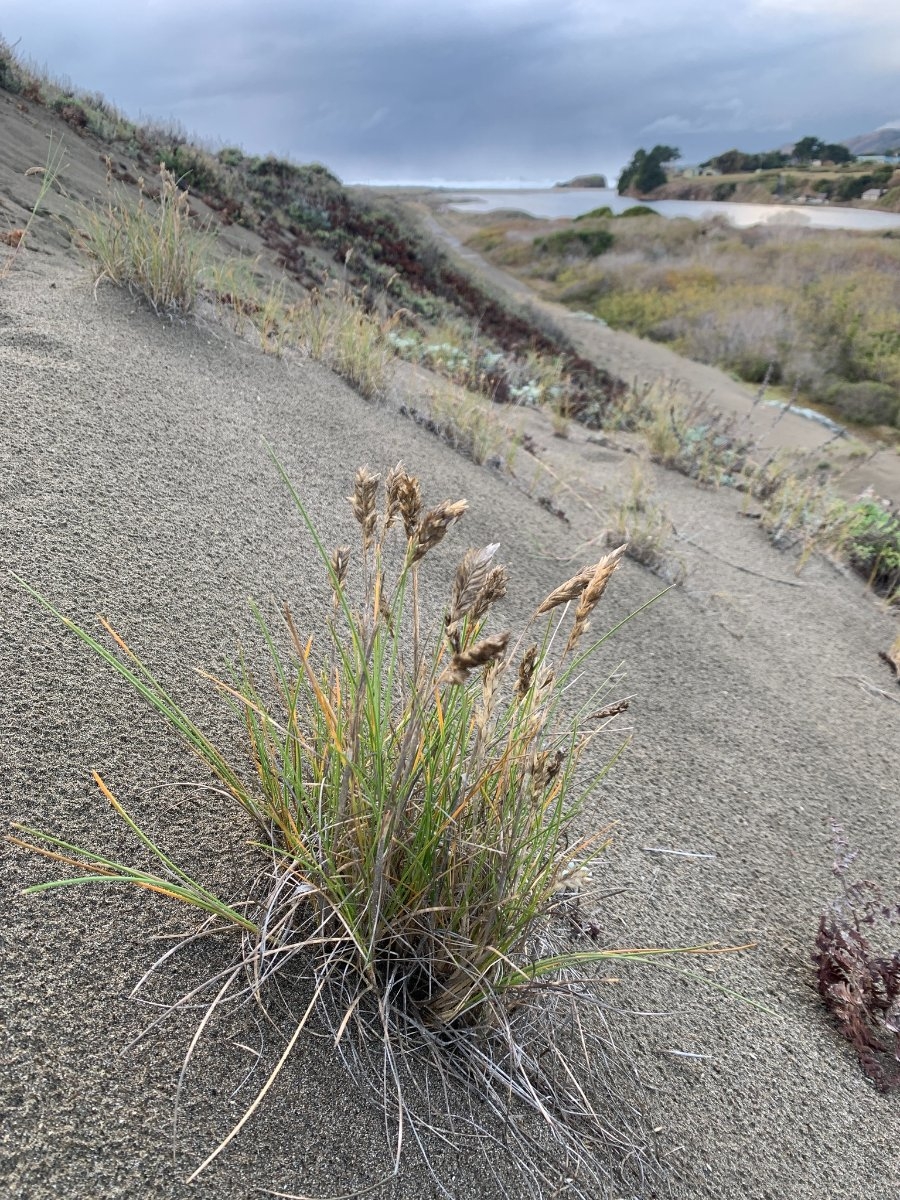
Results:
575 201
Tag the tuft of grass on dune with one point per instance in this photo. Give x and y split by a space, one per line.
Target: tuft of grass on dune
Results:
152 247
418 786
49 175
640 522
156 248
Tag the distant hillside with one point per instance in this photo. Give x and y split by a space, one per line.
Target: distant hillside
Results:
878 142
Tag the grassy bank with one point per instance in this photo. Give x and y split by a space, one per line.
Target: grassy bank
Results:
312 228
844 185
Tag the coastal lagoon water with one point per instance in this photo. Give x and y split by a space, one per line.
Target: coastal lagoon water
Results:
572 202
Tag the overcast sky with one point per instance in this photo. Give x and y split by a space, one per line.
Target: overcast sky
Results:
479 89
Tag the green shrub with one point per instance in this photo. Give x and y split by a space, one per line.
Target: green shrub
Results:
10 75
589 243
866 402
231 156
754 368
596 214
874 545
189 168
639 210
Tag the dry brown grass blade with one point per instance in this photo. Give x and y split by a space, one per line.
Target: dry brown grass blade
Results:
263 1091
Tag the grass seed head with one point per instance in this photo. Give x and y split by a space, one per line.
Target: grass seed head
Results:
610 710
482 653
570 590
545 766
409 497
526 672
492 590
471 575
393 491
362 501
340 561
434 525
593 591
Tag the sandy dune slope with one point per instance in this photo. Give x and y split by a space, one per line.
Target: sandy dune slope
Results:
134 483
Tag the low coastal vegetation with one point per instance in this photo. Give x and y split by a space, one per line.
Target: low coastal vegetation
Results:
151 247
419 788
800 506
155 248
639 521
361 284
808 309
49 174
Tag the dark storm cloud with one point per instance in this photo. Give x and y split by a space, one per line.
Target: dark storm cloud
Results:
479 88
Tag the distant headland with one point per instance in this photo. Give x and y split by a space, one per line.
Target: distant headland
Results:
584 181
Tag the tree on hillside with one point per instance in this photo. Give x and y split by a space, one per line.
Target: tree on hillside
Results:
730 163
645 172
835 153
735 162
808 148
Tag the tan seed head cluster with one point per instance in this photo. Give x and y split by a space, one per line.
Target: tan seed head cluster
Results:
403 499
392 486
492 590
340 561
483 652
570 590
471 575
365 487
526 672
610 710
434 525
592 593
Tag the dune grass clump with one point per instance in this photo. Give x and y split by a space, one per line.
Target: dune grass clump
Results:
49 177
468 423
152 248
418 792
644 526
332 326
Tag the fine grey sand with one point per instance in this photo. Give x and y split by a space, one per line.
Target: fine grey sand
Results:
134 482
